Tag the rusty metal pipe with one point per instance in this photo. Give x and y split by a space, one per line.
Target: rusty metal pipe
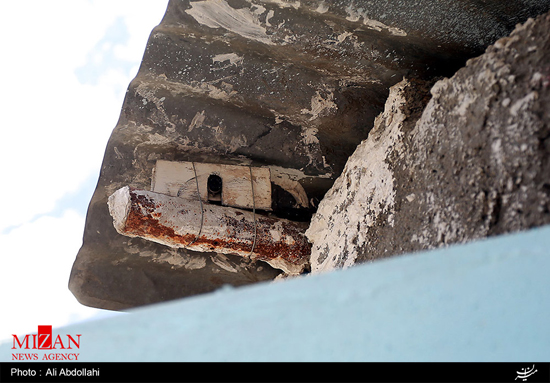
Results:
176 222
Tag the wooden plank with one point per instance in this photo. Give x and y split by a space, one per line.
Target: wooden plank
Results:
177 179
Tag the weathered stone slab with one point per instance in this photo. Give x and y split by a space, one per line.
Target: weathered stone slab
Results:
287 85
474 163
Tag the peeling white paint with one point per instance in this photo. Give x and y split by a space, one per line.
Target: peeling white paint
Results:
257 9
269 16
177 260
309 136
225 92
355 15
149 93
321 105
213 91
322 7
219 14
197 121
233 59
223 262
285 3
152 139
377 25
118 154
342 37
237 142
194 263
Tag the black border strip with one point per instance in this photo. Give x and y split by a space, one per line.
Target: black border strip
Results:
272 372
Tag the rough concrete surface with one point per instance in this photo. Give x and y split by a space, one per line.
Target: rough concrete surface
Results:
294 86
474 163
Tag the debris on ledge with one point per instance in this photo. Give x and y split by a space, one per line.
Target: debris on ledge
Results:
183 223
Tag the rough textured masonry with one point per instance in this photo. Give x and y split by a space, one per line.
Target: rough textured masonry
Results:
291 85
475 163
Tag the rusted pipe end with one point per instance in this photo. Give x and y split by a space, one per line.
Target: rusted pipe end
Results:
176 222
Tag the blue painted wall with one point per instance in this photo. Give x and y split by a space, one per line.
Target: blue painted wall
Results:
484 301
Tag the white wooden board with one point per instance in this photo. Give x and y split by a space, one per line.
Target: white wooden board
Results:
178 179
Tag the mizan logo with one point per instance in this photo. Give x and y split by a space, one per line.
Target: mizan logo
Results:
44 340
